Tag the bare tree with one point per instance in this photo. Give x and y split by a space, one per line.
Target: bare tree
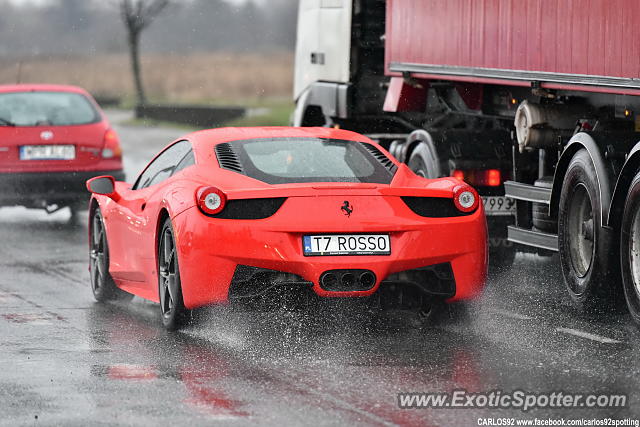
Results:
138 15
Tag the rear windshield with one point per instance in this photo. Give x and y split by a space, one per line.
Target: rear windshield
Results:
293 160
46 109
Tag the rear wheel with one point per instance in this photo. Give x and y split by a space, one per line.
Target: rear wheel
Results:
630 249
174 314
102 284
582 241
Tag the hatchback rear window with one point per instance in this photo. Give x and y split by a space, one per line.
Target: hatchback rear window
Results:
46 109
294 160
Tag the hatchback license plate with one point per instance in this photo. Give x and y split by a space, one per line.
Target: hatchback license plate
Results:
47 152
346 244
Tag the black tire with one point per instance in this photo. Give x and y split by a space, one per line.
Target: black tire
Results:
418 166
423 163
583 243
540 215
102 284
173 313
630 249
395 146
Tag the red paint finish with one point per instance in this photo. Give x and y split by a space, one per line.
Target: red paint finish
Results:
588 37
209 249
88 139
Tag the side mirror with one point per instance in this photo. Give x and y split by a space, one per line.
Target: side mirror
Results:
105 185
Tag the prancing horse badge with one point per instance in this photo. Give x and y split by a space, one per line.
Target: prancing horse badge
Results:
346 208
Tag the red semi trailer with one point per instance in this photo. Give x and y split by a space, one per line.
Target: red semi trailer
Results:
534 102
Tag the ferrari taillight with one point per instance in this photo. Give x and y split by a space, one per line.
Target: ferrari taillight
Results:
111 147
465 198
211 200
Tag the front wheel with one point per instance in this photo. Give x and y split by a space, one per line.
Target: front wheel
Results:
630 249
174 314
102 284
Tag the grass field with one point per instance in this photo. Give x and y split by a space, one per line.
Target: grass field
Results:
260 81
202 78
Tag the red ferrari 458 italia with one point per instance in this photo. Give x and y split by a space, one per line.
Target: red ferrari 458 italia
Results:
52 139
232 213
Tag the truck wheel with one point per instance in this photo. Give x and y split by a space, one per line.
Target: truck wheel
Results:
395 146
581 240
630 249
423 162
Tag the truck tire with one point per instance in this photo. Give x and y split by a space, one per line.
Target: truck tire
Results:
582 241
540 215
423 162
396 145
630 249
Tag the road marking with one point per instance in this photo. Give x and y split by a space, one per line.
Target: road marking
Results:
589 336
511 314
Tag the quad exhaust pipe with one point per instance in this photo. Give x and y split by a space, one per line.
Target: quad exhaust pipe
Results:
346 280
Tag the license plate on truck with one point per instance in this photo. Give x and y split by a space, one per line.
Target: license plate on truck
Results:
498 205
47 152
346 244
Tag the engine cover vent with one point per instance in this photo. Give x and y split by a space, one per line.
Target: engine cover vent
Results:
227 158
379 155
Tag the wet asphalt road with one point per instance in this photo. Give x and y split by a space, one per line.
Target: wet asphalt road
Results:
66 360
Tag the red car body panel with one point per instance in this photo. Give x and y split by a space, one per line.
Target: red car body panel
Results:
66 176
210 249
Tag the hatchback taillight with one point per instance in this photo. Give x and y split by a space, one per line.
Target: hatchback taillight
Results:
111 146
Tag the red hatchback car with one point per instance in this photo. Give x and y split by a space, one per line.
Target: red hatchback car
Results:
52 139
